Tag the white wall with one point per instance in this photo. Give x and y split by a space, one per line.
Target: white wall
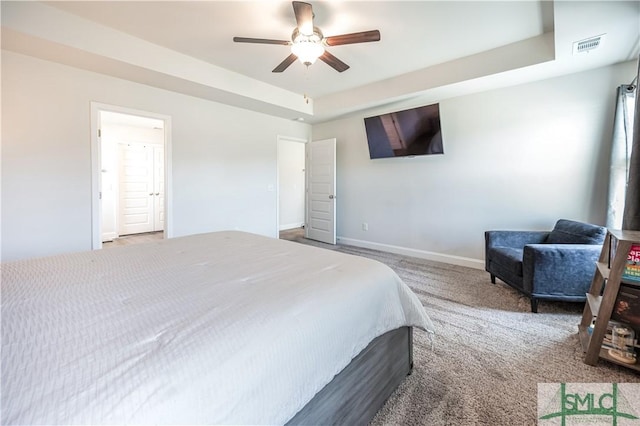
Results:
224 158
291 183
515 158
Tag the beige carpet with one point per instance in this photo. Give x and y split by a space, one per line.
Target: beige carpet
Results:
490 351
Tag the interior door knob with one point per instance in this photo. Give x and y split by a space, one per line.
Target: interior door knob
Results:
331 197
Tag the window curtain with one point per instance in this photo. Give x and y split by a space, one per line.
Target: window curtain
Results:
621 150
631 218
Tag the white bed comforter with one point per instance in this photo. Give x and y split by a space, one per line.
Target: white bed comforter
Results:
220 328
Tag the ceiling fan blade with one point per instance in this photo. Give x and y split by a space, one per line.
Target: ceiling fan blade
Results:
260 41
304 17
285 64
362 37
333 62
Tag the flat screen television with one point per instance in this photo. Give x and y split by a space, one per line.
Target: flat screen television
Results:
405 133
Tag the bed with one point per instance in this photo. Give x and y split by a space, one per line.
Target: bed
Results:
217 328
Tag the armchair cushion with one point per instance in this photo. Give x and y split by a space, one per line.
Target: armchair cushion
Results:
510 259
572 232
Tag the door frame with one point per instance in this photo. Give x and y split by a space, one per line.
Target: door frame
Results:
96 168
296 140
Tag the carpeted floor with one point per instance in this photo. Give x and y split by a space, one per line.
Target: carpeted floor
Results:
490 350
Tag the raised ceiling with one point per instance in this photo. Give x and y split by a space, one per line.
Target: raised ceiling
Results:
425 37
429 50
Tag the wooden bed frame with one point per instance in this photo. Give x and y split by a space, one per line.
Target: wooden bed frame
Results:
356 394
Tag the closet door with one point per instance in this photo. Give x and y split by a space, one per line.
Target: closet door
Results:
136 195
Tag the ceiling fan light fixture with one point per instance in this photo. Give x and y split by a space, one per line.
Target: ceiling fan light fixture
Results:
308 44
307 48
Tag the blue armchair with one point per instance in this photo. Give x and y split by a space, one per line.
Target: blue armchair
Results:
555 265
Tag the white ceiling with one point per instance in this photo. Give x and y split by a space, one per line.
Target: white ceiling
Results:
427 35
429 50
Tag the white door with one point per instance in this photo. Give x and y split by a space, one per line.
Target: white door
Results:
136 195
158 183
321 191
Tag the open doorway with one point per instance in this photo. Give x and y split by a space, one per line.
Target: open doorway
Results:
306 190
131 179
291 187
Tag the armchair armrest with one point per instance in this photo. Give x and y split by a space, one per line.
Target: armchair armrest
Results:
559 269
514 239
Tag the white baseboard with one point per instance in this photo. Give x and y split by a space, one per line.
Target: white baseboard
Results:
291 226
422 254
109 236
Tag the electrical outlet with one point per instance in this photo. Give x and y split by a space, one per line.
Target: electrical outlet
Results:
365 226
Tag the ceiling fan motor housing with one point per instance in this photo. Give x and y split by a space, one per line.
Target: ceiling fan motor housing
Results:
307 47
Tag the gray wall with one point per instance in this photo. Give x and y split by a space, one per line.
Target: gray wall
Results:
224 158
515 158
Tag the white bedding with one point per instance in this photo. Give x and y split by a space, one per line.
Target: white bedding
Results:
219 328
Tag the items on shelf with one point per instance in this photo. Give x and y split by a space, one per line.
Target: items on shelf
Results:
607 339
631 270
627 305
622 342
610 324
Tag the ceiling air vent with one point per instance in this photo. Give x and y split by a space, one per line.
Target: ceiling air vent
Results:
586 45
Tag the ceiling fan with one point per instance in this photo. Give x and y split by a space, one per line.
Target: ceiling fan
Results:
308 43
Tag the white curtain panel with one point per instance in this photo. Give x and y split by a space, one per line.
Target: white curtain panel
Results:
620 155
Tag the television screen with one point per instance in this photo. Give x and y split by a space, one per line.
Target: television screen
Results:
411 132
